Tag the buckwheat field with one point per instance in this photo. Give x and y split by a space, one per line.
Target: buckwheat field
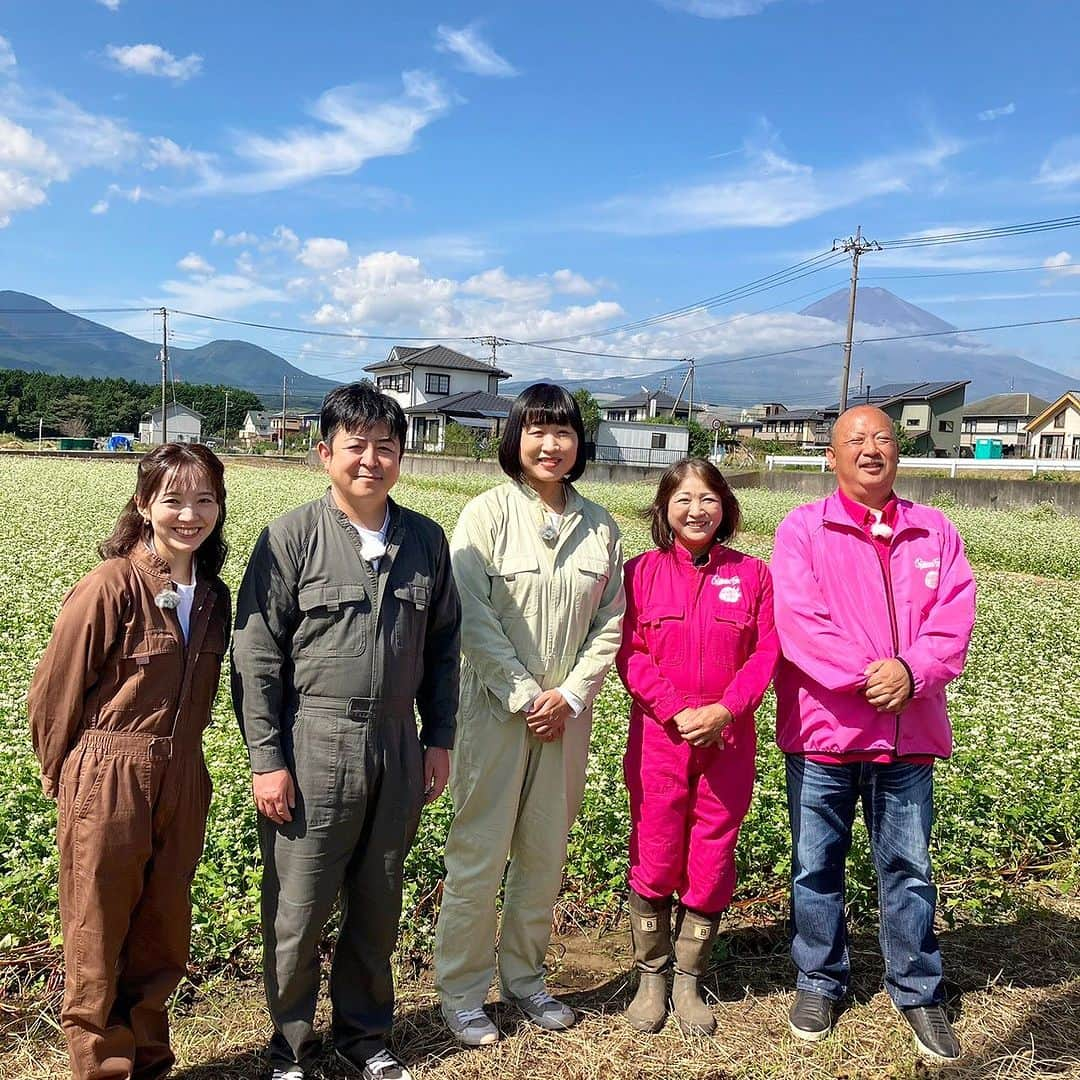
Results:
1008 801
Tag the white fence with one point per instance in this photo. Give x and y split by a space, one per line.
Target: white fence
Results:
952 466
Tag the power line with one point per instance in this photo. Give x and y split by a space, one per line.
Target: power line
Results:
974 273
433 338
989 233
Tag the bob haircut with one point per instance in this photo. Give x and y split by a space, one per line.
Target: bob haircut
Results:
711 477
541 403
357 407
190 464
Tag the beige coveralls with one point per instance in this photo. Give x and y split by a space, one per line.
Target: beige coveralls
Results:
536 615
117 709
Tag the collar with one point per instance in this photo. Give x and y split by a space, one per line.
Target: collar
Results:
862 516
150 561
709 559
573 499
393 512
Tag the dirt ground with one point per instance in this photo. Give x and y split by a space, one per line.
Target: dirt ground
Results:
1014 986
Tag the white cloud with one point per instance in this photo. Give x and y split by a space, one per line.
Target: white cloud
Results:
194 264
566 281
1061 167
999 112
220 294
497 284
282 238
21 149
163 153
473 53
771 190
1062 264
718 9
153 60
240 239
18 192
7 55
112 5
323 253
100 207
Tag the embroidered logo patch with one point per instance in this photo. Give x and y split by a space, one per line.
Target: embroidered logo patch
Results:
730 588
931 579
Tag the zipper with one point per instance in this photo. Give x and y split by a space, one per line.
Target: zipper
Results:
886 581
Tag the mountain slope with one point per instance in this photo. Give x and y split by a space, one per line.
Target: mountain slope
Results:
36 336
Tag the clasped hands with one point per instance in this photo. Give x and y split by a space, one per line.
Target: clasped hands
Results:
546 718
703 726
888 685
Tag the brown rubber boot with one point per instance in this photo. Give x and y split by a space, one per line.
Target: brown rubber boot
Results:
694 936
650 929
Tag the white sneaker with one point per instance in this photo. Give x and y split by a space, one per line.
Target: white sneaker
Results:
545 1011
380 1066
473 1027
287 1072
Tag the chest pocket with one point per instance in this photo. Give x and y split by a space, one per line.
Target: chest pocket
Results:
515 586
590 581
335 620
665 633
151 666
413 605
728 635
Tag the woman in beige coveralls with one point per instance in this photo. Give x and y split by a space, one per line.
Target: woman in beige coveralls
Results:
117 709
539 572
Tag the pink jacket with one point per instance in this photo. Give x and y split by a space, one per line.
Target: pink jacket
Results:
694 635
834 616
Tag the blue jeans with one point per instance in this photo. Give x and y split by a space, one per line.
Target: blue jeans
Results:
898 807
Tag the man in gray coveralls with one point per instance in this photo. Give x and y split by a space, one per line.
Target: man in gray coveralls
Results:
346 617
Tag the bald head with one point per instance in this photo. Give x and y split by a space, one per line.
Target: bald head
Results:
863 453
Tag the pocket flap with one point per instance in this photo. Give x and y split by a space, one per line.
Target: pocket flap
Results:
151 643
733 614
593 567
330 597
509 565
660 611
416 594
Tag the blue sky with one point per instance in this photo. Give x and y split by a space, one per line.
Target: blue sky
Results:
535 170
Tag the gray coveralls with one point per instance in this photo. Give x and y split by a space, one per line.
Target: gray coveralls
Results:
328 659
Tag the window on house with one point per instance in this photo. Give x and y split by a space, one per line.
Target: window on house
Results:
945 426
785 425
913 423
1059 419
399 382
1007 427
616 414
659 440
968 426
438 384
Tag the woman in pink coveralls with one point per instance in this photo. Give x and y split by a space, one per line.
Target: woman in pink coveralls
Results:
697 654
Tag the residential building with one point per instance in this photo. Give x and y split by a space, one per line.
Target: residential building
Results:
638 442
1055 432
423 380
265 425
182 425
1003 417
930 413
806 428
475 409
644 405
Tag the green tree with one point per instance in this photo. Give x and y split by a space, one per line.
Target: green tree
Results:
590 411
701 439
908 444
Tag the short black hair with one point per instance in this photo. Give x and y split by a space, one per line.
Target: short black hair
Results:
662 533
357 407
541 403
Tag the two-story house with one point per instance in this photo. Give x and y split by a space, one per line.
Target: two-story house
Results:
644 405
437 386
182 425
1055 432
1004 418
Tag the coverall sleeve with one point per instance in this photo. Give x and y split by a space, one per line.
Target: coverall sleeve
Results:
86 630
485 645
267 612
744 693
937 654
809 638
641 675
597 652
437 696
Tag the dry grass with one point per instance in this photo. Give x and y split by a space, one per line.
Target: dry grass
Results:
1016 1006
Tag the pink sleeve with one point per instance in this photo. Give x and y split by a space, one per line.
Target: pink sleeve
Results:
809 638
937 654
745 691
637 669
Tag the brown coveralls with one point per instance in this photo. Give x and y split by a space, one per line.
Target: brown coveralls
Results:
117 709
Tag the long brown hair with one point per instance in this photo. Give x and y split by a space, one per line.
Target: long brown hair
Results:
714 480
155 469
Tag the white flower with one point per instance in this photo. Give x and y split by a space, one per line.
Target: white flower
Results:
168 598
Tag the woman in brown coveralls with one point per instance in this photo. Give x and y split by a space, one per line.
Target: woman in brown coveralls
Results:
117 709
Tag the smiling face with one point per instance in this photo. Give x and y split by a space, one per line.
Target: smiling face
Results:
694 513
182 513
363 466
863 454
548 452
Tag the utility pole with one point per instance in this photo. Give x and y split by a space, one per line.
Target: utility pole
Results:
854 246
225 426
688 382
40 423
164 373
283 381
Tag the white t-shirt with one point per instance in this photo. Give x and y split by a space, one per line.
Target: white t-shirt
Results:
183 609
373 542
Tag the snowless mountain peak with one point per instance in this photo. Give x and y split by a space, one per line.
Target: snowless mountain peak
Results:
876 307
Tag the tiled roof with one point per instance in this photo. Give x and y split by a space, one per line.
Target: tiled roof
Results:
890 392
1017 405
664 400
470 403
435 356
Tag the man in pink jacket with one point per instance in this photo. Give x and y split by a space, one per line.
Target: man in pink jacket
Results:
875 603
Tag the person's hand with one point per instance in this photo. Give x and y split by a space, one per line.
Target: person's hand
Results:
275 795
548 715
436 772
704 726
888 685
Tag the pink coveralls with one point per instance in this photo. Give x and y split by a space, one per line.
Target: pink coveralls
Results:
692 636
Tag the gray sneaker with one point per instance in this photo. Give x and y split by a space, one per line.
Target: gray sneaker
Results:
473 1027
545 1011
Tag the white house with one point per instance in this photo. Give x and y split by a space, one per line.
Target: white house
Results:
1004 417
644 405
435 386
182 425
1055 432
627 442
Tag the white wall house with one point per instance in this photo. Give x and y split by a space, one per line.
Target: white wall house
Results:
641 443
429 382
1003 417
644 405
182 425
1055 432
